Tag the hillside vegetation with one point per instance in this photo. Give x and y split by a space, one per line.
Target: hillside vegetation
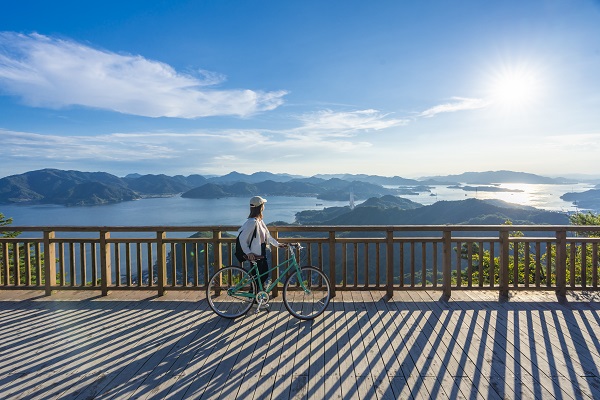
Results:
470 211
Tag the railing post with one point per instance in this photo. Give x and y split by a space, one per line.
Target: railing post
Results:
332 278
504 261
561 262
16 264
49 261
275 261
217 250
447 262
161 261
105 266
390 263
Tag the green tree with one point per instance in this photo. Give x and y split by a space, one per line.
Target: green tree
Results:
525 265
588 218
4 221
7 254
580 254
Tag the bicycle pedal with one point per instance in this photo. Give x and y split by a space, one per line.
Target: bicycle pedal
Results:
264 307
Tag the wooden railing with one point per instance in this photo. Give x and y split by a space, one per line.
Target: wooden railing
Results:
389 258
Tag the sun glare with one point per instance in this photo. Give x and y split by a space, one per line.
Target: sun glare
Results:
515 87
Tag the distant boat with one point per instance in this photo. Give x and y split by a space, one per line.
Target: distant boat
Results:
319 204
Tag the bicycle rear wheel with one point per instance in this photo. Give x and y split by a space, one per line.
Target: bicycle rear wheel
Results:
310 303
224 289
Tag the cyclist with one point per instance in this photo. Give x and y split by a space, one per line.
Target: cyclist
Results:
255 237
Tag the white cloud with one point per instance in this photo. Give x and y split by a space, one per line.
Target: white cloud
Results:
103 147
458 104
320 136
582 142
347 123
55 73
225 157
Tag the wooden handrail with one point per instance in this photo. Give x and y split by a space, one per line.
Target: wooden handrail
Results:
423 257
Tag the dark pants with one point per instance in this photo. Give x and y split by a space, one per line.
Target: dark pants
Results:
263 265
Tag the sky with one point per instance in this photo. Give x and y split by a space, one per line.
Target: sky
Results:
392 88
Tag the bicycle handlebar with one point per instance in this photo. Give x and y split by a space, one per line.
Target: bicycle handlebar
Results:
297 246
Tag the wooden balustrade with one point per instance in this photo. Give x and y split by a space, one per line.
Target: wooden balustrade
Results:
389 258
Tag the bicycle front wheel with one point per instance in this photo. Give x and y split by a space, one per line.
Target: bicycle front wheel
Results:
306 294
230 292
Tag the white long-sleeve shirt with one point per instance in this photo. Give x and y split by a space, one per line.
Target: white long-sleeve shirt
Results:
262 236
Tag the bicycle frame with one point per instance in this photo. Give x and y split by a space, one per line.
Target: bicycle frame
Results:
255 275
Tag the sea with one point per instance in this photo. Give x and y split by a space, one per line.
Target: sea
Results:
178 211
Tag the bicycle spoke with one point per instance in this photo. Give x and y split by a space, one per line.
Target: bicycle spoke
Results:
224 289
305 303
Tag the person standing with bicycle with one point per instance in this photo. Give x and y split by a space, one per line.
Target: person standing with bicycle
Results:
232 290
255 238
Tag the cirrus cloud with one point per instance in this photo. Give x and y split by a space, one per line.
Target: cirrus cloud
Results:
56 73
346 123
458 104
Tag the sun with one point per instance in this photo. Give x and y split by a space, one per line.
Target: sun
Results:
515 86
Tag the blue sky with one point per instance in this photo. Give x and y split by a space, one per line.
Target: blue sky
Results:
303 87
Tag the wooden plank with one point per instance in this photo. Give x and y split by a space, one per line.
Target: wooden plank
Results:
197 375
262 383
164 362
356 346
574 351
331 367
250 359
514 346
407 349
338 366
267 344
282 368
173 379
364 346
316 353
215 377
381 325
453 336
568 321
296 379
43 372
520 370
122 372
344 349
40 325
395 383
110 365
377 368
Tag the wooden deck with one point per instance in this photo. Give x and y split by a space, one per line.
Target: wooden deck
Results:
78 345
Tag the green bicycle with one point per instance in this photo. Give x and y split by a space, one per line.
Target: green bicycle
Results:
232 290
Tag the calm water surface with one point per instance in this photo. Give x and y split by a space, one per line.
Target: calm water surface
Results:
175 211
178 211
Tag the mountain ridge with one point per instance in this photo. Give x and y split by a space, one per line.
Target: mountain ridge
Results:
55 186
470 212
501 176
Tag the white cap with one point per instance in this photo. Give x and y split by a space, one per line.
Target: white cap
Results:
257 201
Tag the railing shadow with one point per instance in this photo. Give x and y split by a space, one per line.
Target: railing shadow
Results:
412 345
